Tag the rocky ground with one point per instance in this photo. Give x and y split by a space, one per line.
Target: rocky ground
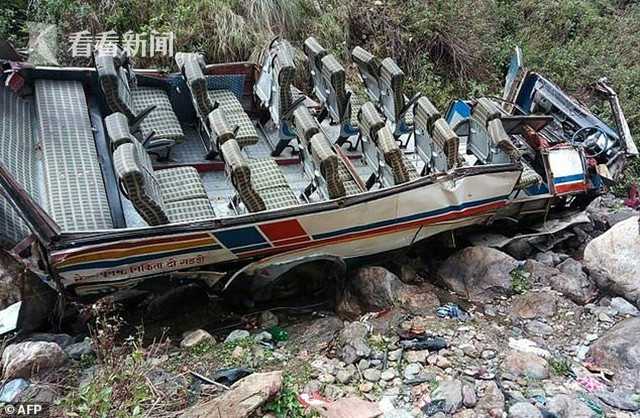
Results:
545 327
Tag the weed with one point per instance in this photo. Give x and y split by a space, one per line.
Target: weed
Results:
560 366
286 404
520 280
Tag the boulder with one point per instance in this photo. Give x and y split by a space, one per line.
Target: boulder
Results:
534 305
574 282
618 350
195 337
478 273
78 350
26 358
568 278
419 300
527 365
449 391
612 260
623 307
63 340
568 406
236 335
524 410
315 335
352 342
370 289
242 400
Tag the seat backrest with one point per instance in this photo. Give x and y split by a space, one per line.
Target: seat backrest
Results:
221 129
137 180
392 154
328 162
447 141
240 173
284 72
114 82
118 129
193 67
337 101
315 52
369 120
305 124
488 139
391 89
369 67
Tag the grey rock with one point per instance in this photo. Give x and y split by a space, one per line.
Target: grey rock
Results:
12 389
612 260
492 401
372 375
388 374
568 406
353 344
538 328
548 258
236 335
618 350
528 365
333 392
624 400
488 354
263 336
478 273
534 305
77 350
469 397
23 359
524 410
345 375
363 364
39 393
370 289
63 340
326 378
395 355
168 383
451 392
267 319
574 282
411 370
416 356
624 307
312 386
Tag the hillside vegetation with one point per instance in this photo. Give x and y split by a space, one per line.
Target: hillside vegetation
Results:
447 48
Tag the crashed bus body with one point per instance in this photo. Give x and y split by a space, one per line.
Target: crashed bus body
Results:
114 175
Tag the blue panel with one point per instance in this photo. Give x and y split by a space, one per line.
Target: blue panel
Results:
233 82
459 110
240 237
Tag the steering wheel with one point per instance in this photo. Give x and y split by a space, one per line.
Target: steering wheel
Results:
581 138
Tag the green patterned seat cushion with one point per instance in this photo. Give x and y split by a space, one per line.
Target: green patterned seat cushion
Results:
162 120
271 185
190 210
75 191
180 183
17 153
235 116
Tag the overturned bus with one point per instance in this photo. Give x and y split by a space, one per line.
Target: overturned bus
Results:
112 175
